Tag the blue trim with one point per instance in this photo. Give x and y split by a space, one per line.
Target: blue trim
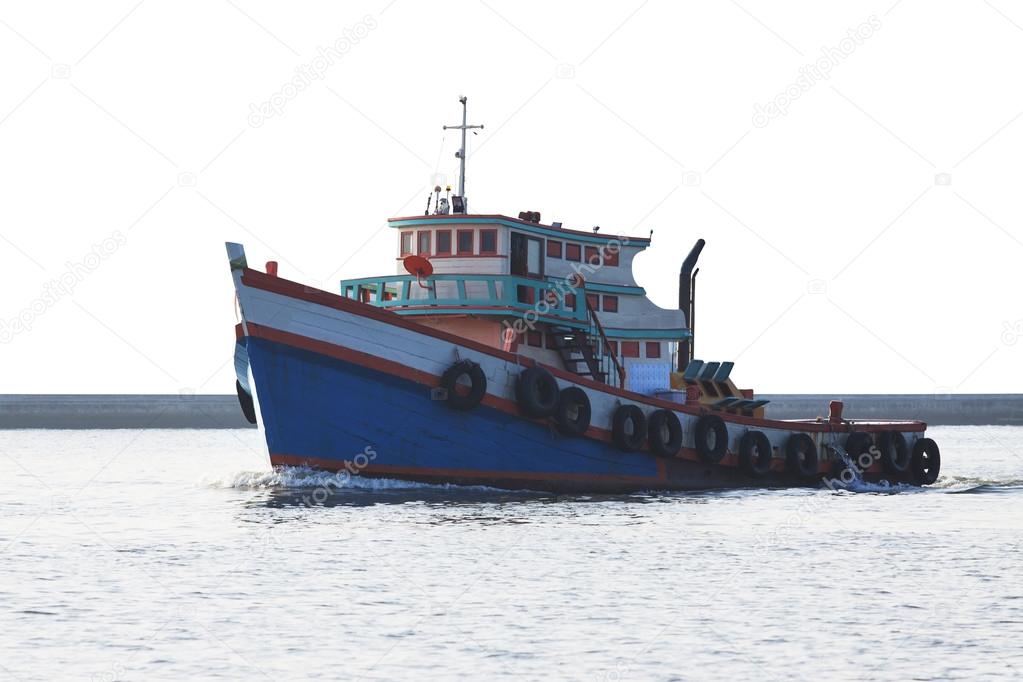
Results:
615 289
648 334
640 242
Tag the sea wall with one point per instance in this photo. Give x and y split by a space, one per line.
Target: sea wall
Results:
222 411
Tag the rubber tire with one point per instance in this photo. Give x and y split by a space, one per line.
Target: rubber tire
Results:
573 396
856 443
245 401
658 421
705 426
809 465
895 454
755 454
537 393
625 441
926 471
449 381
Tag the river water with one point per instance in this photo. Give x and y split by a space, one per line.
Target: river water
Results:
175 554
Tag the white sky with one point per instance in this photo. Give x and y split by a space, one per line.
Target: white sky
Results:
630 115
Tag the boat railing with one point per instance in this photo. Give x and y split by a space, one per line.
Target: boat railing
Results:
548 298
607 355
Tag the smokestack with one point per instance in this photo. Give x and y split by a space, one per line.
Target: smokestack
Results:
686 300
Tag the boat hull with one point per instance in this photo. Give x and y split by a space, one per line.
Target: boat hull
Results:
343 386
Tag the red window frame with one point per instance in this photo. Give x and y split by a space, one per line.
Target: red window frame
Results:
609 304
443 251
401 244
570 302
424 237
653 349
553 248
592 255
489 252
613 345
611 255
573 252
630 349
593 300
472 242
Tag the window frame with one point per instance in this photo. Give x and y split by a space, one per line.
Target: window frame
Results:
630 349
557 250
402 251
428 234
590 253
611 256
652 344
489 252
605 299
458 242
446 252
578 248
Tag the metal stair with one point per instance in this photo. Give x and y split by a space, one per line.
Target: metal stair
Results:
575 347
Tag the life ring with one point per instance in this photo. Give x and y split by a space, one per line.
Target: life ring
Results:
801 456
755 453
895 454
711 438
537 392
926 461
573 415
245 401
664 433
457 396
625 416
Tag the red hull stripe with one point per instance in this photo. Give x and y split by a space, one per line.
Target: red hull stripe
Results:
277 285
447 474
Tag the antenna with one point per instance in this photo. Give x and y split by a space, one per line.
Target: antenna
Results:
460 154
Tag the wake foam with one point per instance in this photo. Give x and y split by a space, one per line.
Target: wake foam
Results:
283 478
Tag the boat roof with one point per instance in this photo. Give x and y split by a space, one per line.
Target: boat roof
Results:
525 225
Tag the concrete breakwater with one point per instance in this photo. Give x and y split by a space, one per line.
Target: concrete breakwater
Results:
222 411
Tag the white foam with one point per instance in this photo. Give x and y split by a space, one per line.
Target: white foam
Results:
305 477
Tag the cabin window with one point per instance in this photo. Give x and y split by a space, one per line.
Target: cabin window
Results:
573 252
653 349
592 255
406 243
526 256
611 255
630 349
443 242
424 243
593 300
525 294
465 242
534 338
488 241
553 248
612 346
570 302
610 304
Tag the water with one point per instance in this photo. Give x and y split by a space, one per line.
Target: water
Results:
174 554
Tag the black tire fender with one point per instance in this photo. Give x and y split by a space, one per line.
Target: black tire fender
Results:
664 433
926 461
537 392
755 453
711 438
459 399
801 456
624 415
895 454
573 415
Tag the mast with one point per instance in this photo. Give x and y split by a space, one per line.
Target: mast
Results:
460 155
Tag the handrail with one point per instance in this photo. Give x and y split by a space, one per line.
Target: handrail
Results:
603 339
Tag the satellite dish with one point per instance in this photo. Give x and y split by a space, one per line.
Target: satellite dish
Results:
420 266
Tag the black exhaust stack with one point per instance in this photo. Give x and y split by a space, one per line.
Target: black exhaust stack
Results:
687 300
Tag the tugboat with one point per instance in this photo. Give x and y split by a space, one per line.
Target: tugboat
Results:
515 354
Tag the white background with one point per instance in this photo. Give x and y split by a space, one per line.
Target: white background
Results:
835 262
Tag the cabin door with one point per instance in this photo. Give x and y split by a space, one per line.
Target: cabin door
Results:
526 256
